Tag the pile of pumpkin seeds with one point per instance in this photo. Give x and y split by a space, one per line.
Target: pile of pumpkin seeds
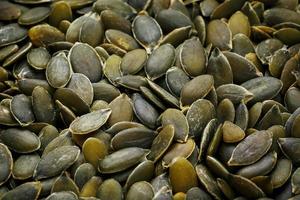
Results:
149 99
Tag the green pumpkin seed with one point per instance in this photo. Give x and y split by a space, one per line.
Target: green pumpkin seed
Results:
242 69
178 150
245 187
161 143
295 182
121 39
64 195
44 34
29 190
111 68
58 64
6 164
140 190
239 23
133 61
194 64
133 137
82 86
12 33
257 143
146 31
34 16
19 140
213 28
261 167
234 93
281 172
56 162
232 133
160 60
182 175
225 111
208 181
90 122
196 89
179 121
121 160
84 173
219 68
110 189
105 91
143 172
38 58
90 60
287 146
64 183
242 45
178 20
24 166
226 9
121 110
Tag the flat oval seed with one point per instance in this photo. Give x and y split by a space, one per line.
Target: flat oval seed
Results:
24 166
143 172
179 121
121 160
29 190
140 190
133 137
146 31
288 146
58 64
121 110
84 173
193 58
21 109
111 68
208 181
219 68
12 33
295 181
242 69
175 79
94 149
44 34
121 39
43 105
19 140
161 143
251 149
160 61
82 86
56 162
281 172
34 15
223 42
133 61
88 63
6 163
196 89
198 115
261 167
182 175
144 111
110 189
232 133
38 58
239 23
234 93
178 150
263 88
90 122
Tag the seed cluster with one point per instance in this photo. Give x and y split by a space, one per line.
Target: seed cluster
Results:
149 99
